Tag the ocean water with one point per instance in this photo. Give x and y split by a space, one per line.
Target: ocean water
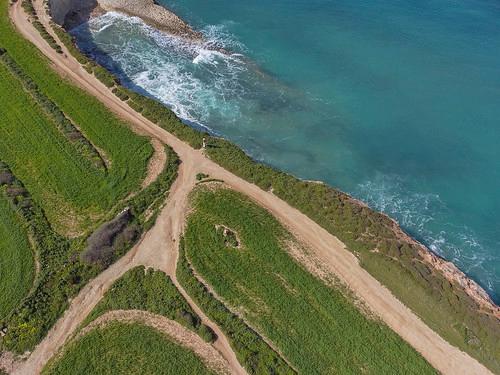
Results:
395 102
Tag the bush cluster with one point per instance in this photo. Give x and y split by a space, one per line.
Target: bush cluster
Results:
251 350
111 240
63 124
29 9
153 291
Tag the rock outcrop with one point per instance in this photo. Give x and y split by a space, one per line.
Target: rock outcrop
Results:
70 13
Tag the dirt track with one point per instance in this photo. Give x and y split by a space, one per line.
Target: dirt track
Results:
211 357
158 248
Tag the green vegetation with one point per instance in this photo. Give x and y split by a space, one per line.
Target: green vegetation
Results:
145 205
201 176
17 267
153 291
29 9
397 263
73 193
63 191
64 270
251 350
64 125
316 327
61 274
130 349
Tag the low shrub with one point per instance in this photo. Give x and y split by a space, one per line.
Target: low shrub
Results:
107 242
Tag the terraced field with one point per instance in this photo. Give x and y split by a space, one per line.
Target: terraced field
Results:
316 327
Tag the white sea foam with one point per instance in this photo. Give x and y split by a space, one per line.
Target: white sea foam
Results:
421 214
195 79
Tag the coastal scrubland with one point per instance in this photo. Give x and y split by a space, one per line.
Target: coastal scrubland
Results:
17 267
120 348
316 327
391 258
153 291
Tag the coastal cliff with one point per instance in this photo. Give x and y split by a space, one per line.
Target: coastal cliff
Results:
70 13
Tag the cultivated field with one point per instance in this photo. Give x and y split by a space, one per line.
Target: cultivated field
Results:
72 191
317 328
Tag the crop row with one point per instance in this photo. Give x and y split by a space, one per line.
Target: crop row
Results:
251 350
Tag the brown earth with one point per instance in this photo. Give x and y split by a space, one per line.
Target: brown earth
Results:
156 163
178 333
159 246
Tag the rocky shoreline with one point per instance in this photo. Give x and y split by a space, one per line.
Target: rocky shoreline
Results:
70 13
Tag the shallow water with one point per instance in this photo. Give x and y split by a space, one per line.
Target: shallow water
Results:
394 102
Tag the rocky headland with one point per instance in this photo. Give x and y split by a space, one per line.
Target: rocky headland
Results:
70 13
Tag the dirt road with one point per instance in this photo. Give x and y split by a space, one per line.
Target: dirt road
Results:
327 248
171 328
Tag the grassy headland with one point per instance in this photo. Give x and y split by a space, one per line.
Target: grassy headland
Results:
390 257
316 327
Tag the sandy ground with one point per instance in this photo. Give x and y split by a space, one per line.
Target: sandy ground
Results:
158 248
211 357
156 163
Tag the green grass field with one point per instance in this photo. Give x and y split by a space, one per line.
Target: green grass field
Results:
16 259
316 327
153 291
72 192
128 349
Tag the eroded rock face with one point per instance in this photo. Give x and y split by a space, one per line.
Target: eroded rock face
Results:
71 13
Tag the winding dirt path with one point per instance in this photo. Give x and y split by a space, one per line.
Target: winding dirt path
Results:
327 248
181 335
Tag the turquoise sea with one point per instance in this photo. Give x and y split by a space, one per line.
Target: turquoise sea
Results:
394 102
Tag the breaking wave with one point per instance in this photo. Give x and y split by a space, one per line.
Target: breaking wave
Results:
203 82
425 216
